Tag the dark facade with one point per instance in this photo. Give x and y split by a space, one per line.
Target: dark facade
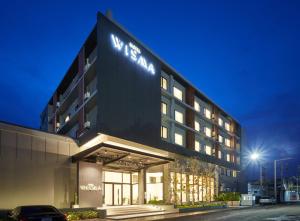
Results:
108 90
129 96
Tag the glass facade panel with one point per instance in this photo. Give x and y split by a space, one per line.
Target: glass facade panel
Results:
154 187
208 131
108 188
197 106
227 142
164 83
120 187
178 116
227 126
163 108
197 126
135 194
164 132
126 194
207 113
112 177
192 188
220 122
177 93
178 139
126 177
197 146
208 150
117 194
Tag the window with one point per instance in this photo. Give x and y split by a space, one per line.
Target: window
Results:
163 108
228 157
220 139
178 139
197 146
219 154
177 93
234 173
227 142
163 83
207 131
164 132
227 126
197 106
228 172
197 126
207 113
67 118
220 122
178 116
208 150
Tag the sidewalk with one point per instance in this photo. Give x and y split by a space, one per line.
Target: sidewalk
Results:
176 215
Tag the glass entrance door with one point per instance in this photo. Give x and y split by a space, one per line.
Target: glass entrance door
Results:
117 194
120 188
108 188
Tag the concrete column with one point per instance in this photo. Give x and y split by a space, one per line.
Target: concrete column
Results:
142 186
90 184
172 109
166 184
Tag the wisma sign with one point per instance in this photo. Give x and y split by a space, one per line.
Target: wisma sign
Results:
133 53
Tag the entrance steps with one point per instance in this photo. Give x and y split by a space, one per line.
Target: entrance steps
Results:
135 211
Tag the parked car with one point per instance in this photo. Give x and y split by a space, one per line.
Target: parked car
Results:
36 213
267 200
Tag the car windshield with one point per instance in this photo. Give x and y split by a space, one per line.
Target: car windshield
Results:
38 209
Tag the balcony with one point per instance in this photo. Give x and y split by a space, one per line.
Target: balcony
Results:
72 113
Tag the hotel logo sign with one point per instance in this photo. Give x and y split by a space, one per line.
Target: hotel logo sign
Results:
90 187
132 52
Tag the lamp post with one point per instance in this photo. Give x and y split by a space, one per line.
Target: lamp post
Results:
255 157
275 176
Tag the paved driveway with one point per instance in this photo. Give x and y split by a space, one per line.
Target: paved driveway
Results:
277 213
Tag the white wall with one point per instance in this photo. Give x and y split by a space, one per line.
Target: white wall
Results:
35 168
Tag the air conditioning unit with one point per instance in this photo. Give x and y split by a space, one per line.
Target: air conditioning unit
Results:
87 95
87 124
87 65
57 104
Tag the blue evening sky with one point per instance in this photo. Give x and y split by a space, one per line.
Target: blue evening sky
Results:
244 55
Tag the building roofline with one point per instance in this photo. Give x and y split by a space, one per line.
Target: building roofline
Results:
36 130
166 64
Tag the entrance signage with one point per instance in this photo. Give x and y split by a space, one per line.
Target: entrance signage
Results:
133 53
90 187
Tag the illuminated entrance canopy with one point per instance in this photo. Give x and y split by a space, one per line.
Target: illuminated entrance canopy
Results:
133 52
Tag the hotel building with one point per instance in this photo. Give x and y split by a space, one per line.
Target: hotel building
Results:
135 130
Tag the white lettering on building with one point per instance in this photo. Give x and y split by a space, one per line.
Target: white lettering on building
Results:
90 187
133 52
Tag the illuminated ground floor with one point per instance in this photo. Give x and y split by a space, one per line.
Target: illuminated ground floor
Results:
114 175
106 172
157 184
122 188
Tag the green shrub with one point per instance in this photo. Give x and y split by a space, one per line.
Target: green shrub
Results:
156 202
228 196
72 216
79 215
202 205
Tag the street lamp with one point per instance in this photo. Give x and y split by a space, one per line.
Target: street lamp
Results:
256 157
